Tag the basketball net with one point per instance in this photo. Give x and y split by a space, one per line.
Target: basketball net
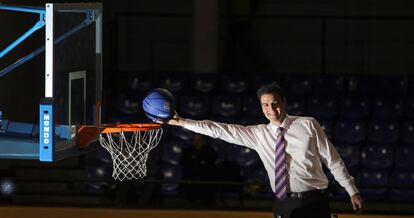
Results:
128 144
129 151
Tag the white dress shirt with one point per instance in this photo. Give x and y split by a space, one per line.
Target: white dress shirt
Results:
307 147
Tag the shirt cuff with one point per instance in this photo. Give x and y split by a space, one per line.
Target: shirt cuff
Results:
189 124
351 189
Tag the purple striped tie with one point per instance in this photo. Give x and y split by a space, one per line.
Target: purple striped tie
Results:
280 166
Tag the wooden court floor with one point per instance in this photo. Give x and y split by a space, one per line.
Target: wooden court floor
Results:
68 212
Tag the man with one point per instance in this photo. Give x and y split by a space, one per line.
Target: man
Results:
292 149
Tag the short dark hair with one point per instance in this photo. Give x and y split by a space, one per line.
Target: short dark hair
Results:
271 88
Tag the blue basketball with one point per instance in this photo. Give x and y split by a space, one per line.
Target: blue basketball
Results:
159 104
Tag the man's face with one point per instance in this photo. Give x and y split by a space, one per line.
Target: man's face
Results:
273 107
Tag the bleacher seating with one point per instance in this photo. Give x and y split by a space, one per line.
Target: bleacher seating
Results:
377 157
234 83
194 105
404 158
296 105
387 108
174 82
333 83
172 150
356 108
409 108
204 83
350 132
407 132
383 132
350 155
323 107
170 173
251 106
297 84
226 107
374 179
141 83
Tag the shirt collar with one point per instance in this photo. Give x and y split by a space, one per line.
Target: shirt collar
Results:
285 124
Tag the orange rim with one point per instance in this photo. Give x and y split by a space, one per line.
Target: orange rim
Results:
123 127
88 133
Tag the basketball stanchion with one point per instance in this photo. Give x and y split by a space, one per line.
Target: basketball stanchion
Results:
128 145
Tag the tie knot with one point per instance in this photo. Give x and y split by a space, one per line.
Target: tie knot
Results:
280 130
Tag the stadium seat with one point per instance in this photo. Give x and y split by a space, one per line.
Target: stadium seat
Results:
350 132
359 85
374 85
180 133
172 150
248 121
98 175
377 157
194 106
204 82
251 106
373 178
355 108
226 106
402 179
387 108
234 83
404 157
128 104
374 194
99 170
384 133
373 184
350 155
142 82
265 78
323 107
244 156
340 195
409 108
297 84
402 195
229 172
391 85
220 147
174 82
296 105
407 133
327 126
259 178
328 85
103 156
171 174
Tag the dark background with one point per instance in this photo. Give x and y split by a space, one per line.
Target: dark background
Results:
313 38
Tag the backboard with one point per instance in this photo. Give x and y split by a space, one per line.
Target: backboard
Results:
72 86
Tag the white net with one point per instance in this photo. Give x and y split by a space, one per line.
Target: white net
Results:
129 151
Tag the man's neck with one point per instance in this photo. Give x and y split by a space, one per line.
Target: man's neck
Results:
279 121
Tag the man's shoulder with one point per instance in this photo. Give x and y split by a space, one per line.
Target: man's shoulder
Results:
258 126
302 119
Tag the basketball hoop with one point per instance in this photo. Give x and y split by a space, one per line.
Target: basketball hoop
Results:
128 144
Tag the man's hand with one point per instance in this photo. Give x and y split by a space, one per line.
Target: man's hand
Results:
357 203
175 121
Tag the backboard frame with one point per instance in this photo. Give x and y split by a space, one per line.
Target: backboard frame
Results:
53 139
92 11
